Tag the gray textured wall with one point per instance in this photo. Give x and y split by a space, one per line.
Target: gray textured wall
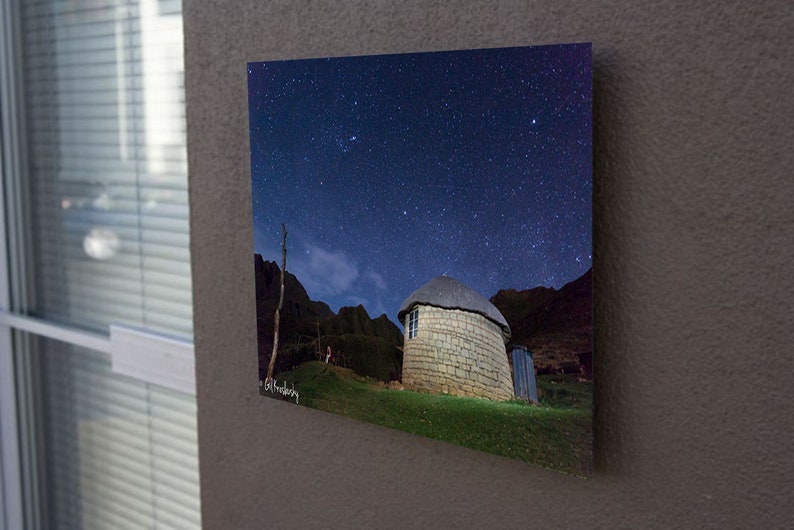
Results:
694 240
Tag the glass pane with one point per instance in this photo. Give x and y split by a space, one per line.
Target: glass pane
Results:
119 453
105 129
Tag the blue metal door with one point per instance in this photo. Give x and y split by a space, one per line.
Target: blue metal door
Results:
524 374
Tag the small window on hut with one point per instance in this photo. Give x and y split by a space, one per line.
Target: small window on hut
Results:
413 322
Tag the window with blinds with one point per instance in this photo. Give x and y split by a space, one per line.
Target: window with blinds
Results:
105 127
105 224
119 453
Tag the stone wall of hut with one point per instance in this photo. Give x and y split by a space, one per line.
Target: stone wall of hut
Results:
457 352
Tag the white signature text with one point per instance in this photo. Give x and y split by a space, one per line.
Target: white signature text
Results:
270 385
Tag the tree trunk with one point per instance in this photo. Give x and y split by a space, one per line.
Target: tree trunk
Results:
272 364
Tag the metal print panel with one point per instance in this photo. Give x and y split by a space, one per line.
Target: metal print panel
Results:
423 244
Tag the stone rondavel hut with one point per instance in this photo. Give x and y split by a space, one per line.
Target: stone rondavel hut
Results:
455 342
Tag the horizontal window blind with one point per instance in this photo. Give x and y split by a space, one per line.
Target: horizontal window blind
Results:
106 214
105 128
119 453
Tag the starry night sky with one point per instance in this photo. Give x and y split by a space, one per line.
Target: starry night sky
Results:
390 170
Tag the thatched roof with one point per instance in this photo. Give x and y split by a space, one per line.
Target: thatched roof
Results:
449 293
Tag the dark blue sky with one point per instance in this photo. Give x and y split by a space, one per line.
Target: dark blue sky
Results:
391 170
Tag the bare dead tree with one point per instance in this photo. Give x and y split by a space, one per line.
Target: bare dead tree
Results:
272 364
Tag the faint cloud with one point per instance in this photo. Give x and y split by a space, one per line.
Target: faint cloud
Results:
376 279
325 272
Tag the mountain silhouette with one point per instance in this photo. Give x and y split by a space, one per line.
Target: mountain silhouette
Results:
370 347
556 325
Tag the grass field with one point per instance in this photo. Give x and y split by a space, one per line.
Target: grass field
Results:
556 434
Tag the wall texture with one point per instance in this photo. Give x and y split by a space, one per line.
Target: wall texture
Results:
693 195
457 352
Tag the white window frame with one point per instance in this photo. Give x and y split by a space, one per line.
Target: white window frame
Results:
11 501
413 323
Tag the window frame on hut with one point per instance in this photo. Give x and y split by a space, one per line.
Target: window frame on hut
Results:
413 323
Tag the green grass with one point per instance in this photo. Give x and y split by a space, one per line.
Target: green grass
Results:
557 434
565 391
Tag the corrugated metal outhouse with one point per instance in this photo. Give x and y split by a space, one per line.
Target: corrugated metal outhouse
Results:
524 374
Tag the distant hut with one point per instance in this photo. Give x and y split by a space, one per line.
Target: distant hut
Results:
455 342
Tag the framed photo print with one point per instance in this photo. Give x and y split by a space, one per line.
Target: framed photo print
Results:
423 244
